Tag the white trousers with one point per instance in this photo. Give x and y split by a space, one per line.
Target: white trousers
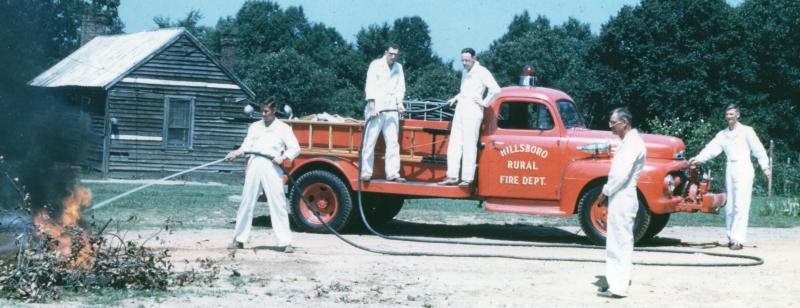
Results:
622 208
462 146
739 189
388 123
263 174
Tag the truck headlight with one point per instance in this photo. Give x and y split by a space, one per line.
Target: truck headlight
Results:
669 184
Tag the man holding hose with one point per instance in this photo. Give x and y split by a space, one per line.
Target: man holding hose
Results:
274 138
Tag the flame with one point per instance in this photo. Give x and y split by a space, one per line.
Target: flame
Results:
81 197
61 239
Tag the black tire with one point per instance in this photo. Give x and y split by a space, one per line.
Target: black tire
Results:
380 209
657 223
596 230
331 197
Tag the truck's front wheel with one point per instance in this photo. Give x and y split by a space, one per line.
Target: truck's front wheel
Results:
594 221
328 195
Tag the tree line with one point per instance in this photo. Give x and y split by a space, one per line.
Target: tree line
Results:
675 64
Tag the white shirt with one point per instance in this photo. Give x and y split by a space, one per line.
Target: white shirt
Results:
626 165
387 86
737 144
474 82
275 140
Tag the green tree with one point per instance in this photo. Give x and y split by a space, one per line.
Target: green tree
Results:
434 81
373 40
773 42
293 78
413 37
676 59
191 23
558 54
280 53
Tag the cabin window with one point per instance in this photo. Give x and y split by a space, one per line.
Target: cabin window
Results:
524 115
178 122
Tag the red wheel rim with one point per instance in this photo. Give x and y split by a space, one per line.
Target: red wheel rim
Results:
598 215
322 198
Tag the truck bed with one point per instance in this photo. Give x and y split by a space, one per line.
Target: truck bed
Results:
423 148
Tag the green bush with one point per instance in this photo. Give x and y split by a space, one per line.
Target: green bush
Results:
780 207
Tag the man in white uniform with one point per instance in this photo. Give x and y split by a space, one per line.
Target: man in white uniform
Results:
620 191
462 148
385 89
738 142
274 138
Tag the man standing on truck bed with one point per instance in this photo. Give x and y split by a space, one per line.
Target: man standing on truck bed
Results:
620 190
274 138
738 141
462 148
385 89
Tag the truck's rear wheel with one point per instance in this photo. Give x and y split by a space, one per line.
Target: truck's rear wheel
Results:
380 209
594 222
328 195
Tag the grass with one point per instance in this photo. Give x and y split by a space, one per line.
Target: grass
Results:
197 207
180 206
764 212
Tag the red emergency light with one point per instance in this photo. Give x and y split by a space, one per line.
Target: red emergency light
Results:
528 76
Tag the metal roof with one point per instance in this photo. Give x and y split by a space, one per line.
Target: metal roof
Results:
105 60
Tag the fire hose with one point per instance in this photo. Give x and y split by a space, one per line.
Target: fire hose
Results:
754 260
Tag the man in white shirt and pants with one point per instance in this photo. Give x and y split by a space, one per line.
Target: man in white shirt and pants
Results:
738 141
385 89
274 138
462 148
623 203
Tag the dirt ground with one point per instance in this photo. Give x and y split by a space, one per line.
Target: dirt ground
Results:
326 272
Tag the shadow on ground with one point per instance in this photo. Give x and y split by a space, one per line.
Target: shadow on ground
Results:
504 232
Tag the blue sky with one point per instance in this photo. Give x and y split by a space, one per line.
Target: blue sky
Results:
453 24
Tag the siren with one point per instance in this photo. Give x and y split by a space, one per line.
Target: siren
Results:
528 76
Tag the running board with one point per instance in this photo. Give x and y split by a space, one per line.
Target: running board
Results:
532 207
415 188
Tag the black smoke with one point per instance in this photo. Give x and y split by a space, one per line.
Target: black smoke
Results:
36 149
34 143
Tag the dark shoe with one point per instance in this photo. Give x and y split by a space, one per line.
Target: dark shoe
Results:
608 294
397 179
465 184
288 249
605 289
449 182
236 245
736 246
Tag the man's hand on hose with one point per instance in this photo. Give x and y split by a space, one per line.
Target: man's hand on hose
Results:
452 101
601 200
233 155
400 108
278 160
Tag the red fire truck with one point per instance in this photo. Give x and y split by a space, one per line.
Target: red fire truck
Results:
536 156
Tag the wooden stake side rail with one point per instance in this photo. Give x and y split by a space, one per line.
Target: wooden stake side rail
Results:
343 139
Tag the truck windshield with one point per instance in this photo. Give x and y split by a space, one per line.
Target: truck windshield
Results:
569 114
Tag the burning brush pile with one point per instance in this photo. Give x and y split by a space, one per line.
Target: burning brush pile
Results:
49 255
